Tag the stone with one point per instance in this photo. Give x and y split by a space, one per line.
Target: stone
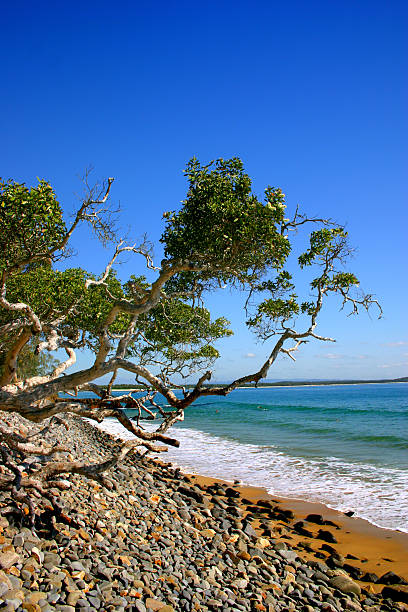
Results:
344 584
249 530
31 607
396 592
51 559
208 533
326 535
240 583
7 559
314 518
37 554
18 539
391 578
369 577
289 555
154 604
35 597
73 597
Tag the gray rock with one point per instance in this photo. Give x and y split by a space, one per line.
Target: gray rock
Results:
344 584
289 555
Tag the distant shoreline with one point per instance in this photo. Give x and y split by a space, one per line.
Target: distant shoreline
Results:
283 384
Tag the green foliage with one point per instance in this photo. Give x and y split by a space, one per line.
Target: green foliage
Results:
223 225
52 293
31 222
323 242
222 231
178 332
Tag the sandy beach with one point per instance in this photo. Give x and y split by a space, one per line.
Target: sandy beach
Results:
373 549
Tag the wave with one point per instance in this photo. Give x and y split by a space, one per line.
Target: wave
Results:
378 494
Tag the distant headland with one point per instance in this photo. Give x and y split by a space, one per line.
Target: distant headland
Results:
288 383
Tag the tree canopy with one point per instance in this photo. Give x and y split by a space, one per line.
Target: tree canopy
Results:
159 329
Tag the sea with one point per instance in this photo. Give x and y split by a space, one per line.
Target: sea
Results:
345 446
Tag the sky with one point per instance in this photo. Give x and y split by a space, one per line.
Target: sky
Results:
312 96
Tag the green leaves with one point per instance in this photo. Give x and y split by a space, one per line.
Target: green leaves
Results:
31 222
223 227
222 234
323 242
179 331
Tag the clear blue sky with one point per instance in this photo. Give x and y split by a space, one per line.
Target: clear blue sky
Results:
311 95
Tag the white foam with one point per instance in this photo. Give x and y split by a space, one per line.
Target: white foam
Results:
379 495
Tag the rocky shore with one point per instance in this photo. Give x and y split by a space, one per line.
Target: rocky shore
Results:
161 540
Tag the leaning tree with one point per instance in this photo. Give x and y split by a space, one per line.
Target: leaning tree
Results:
155 327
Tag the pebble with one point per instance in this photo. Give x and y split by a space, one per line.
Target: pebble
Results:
157 542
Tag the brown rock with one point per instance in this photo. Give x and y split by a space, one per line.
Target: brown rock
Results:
7 559
207 533
31 607
73 597
244 555
84 534
154 604
35 596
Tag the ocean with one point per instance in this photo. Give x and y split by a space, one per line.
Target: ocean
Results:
345 446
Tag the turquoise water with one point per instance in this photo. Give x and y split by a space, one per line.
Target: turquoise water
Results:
342 445
364 423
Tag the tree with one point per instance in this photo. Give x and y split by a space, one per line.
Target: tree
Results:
222 235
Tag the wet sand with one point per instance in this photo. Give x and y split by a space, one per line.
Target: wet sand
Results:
365 546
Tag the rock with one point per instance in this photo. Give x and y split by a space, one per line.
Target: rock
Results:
77 566
51 560
289 578
73 597
300 529
289 555
31 607
391 578
344 584
35 596
396 592
354 572
5 580
369 577
18 539
231 493
249 530
327 536
190 492
314 518
240 583
154 604
37 554
7 559
207 533
244 555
